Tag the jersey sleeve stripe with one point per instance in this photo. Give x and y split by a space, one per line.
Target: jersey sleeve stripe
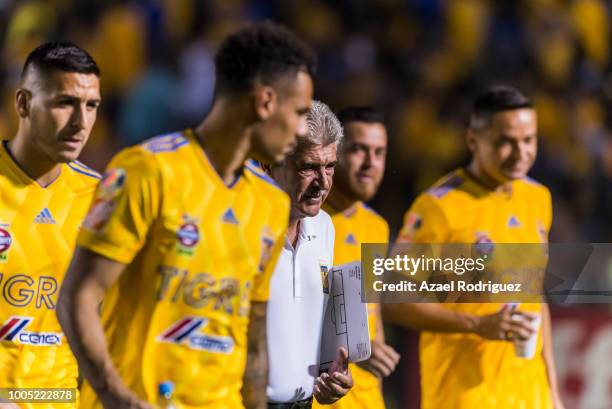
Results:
451 183
83 172
260 174
166 143
84 167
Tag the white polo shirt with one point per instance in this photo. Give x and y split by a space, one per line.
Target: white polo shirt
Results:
296 309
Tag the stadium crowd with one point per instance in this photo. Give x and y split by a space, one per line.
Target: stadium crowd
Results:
420 62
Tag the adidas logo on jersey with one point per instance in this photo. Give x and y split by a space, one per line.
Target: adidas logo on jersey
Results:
350 239
513 222
230 217
44 217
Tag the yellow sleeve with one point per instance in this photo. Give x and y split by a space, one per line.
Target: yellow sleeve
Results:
380 230
261 286
424 222
547 210
380 233
385 234
126 203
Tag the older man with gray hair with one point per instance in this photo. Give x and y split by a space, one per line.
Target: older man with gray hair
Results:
299 287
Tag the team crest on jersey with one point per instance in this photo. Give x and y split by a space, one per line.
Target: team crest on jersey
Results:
188 236
13 331
324 276
5 242
104 200
186 332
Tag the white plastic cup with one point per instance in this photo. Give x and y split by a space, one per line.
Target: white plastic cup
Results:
527 348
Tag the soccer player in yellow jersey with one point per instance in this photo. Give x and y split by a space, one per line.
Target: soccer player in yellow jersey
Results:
44 196
467 359
182 237
361 165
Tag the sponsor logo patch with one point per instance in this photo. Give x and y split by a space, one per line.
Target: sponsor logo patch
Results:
185 332
13 330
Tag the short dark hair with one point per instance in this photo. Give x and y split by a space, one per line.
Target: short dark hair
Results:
61 56
496 98
365 114
260 51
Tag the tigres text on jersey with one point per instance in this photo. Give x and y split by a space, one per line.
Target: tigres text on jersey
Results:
198 253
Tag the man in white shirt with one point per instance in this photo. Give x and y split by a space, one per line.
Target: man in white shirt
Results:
299 287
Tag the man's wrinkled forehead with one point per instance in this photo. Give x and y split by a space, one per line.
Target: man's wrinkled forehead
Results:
318 155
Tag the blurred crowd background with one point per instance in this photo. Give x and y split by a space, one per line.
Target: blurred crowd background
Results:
420 61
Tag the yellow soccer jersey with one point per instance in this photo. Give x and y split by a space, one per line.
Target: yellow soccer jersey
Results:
197 253
38 228
464 371
357 225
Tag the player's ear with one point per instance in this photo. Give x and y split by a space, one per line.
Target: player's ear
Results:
22 102
278 172
470 139
266 101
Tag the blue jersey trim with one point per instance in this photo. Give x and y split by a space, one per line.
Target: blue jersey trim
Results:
453 182
166 143
253 167
85 167
83 172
